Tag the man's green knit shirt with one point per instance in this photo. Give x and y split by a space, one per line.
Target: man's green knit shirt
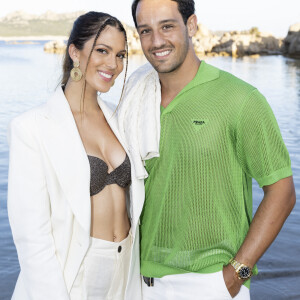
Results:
216 135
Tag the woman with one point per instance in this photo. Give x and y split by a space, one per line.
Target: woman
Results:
69 176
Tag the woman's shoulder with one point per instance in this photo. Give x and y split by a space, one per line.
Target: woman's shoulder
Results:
28 118
25 126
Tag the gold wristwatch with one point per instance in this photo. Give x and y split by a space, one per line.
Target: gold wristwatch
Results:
243 272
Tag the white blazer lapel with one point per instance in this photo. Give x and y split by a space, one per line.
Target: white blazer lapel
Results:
68 157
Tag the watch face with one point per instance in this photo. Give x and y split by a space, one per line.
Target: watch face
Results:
244 272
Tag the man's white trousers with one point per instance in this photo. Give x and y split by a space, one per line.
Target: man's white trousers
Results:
191 286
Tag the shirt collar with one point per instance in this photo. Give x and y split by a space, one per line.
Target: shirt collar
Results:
205 73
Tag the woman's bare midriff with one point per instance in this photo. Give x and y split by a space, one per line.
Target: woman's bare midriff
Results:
109 218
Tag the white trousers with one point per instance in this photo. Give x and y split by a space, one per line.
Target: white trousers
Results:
191 286
104 271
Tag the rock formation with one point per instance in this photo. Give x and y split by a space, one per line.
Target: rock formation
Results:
243 43
291 44
57 47
133 40
233 43
204 40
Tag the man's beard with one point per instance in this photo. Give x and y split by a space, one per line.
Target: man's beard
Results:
178 61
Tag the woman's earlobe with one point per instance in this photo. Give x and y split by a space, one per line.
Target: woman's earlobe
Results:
73 52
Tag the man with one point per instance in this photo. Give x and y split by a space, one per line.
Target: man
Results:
198 239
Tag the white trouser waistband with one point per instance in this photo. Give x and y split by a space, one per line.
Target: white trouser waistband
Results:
104 271
191 286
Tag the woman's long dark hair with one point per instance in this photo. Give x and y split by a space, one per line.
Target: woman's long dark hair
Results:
84 28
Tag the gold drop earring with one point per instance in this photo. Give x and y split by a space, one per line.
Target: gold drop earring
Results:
76 73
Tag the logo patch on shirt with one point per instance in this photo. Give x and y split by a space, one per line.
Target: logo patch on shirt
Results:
199 123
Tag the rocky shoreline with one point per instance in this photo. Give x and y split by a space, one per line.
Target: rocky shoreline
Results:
234 43
20 27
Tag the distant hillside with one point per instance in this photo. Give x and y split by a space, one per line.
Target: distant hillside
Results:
233 43
20 23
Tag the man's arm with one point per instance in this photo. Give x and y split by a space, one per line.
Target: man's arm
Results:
279 200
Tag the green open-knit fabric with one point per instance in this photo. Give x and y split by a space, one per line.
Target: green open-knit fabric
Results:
216 135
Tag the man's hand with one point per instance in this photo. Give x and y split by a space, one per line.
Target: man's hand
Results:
232 282
279 200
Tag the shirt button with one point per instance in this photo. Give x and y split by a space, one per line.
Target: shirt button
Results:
119 249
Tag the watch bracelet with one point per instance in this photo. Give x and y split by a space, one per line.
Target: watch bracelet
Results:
237 265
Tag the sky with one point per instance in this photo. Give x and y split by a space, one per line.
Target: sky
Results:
274 16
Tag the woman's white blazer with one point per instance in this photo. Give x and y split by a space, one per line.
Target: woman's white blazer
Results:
49 201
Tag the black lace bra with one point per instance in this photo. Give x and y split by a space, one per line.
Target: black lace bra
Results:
101 178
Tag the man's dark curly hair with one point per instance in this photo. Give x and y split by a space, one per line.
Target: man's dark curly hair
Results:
185 7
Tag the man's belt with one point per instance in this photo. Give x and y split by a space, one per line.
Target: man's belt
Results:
149 280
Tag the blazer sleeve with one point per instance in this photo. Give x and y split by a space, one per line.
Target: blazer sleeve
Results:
29 214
